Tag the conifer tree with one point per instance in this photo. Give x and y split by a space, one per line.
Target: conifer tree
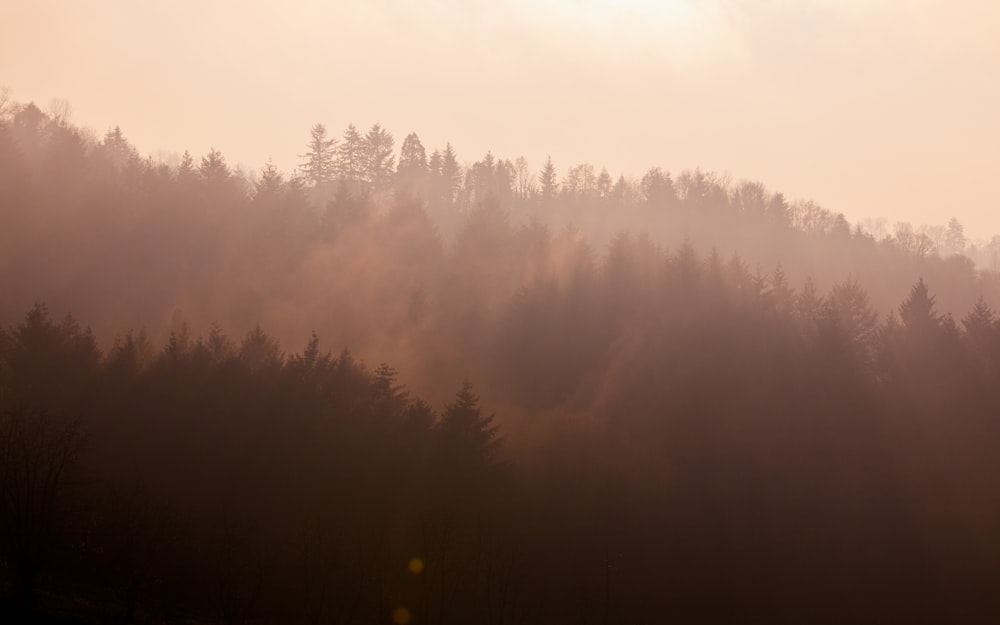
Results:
351 156
319 166
548 181
379 159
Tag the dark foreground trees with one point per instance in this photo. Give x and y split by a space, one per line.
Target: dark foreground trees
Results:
708 446
38 453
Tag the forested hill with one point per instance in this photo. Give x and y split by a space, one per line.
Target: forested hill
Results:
711 405
214 244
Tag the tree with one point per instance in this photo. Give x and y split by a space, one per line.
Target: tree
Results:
917 312
468 435
116 148
320 159
779 295
351 155
808 304
548 181
981 322
185 171
379 157
849 315
604 184
412 159
37 455
451 174
213 167
524 179
777 210
270 183
657 187
982 334
954 239
580 182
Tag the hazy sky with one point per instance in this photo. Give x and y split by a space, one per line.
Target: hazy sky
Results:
870 107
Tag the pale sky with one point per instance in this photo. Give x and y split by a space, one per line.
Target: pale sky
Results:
870 107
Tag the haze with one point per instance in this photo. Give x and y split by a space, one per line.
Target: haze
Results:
470 313
873 109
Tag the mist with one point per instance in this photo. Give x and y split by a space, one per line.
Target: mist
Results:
499 351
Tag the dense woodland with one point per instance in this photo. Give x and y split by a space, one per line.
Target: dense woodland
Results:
673 399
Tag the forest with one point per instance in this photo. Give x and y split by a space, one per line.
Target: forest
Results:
671 399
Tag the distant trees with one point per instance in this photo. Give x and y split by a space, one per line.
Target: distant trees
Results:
445 176
657 187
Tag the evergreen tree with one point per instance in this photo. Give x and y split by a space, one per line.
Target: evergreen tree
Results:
320 163
954 241
379 157
270 182
185 171
412 159
351 156
451 174
466 432
117 150
779 295
548 181
213 167
808 304
849 316
917 312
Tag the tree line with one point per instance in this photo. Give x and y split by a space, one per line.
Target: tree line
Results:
709 447
711 404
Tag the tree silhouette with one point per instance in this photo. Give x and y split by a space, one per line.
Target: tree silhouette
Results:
319 166
37 455
379 159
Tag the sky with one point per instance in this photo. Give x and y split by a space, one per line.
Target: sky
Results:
873 108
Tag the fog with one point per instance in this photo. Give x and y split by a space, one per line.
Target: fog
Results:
845 102
305 334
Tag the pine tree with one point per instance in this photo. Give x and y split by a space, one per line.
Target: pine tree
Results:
116 148
270 182
412 158
955 241
808 304
982 333
451 174
848 313
548 181
351 156
981 321
213 167
917 312
466 432
379 157
780 296
185 171
319 166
